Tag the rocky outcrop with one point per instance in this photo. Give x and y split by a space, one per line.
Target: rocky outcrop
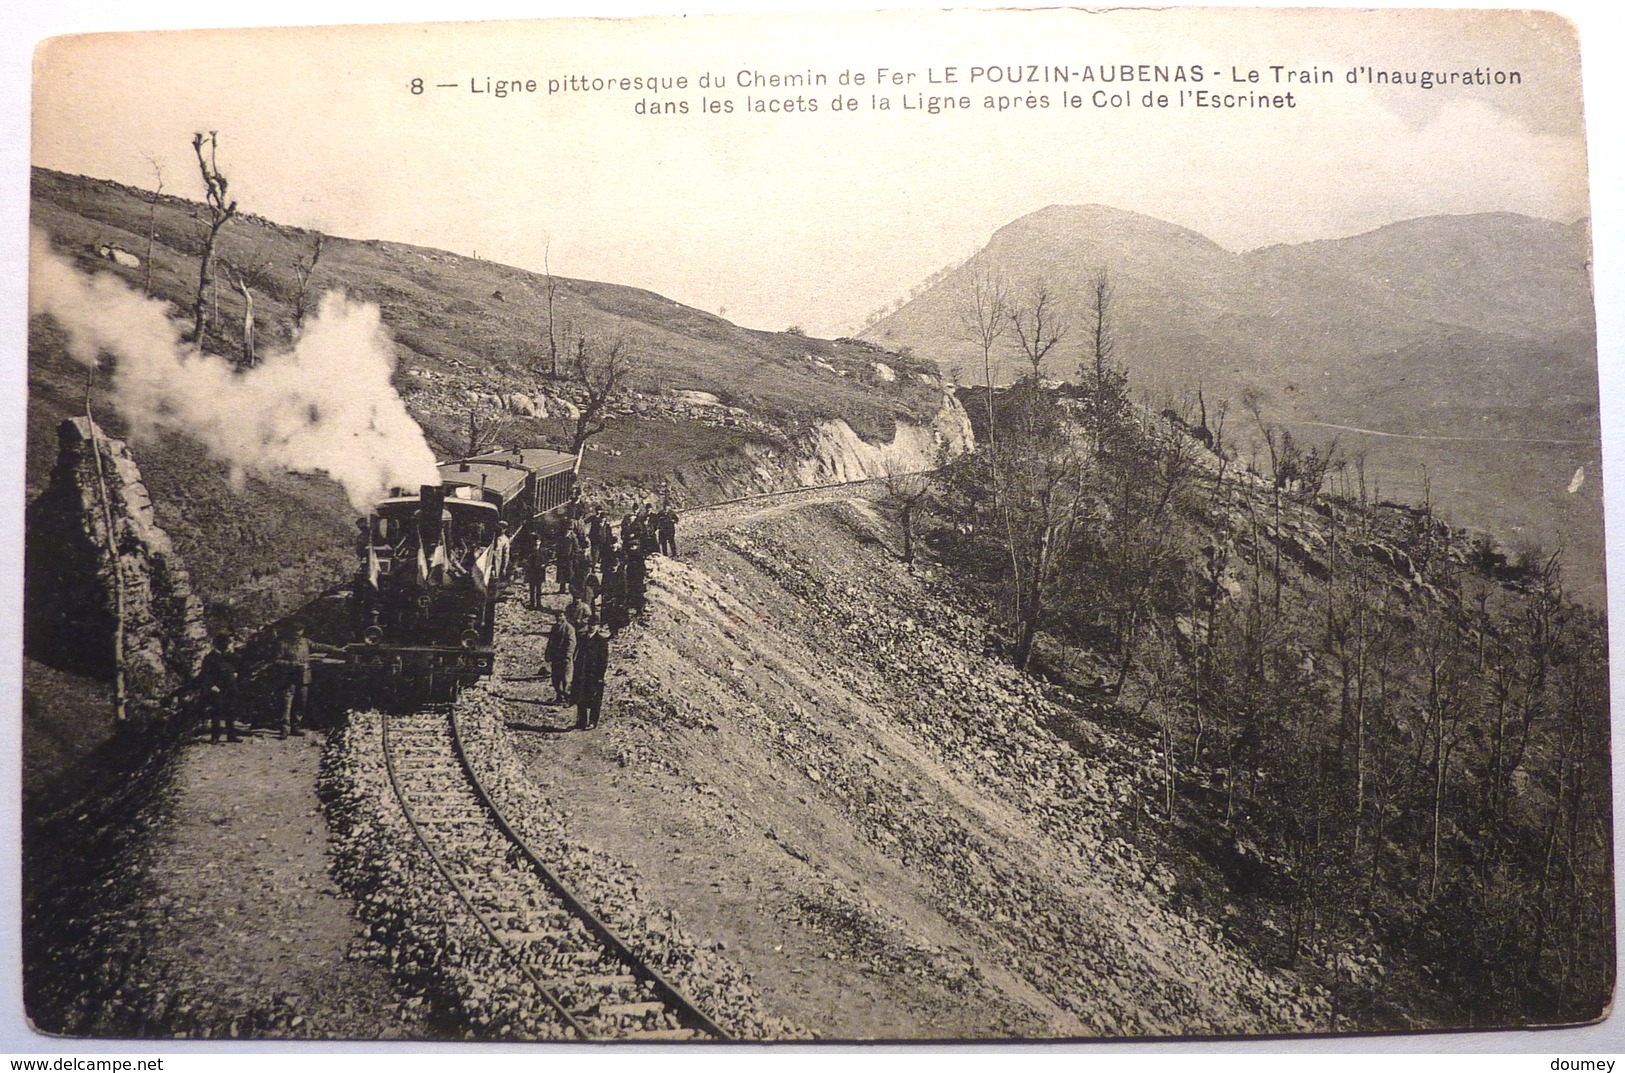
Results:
831 453
839 454
95 555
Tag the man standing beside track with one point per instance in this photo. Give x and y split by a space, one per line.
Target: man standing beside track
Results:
504 548
666 528
637 580
592 666
564 557
535 565
219 680
293 661
561 656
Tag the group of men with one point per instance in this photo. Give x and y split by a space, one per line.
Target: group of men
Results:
605 570
219 683
596 562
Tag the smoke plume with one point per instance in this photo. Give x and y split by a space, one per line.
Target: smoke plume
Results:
325 406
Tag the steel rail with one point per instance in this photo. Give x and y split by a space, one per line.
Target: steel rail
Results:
685 1009
462 896
668 992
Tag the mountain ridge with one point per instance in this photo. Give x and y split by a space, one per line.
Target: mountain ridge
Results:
1478 325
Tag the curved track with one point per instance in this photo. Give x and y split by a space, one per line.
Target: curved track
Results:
706 517
570 961
581 979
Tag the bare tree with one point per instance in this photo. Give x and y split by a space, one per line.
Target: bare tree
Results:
220 213
983 312
1101 345
984 317
600 366
152 220
1106 381
302 271
1035 467
551 294
240 280
247 279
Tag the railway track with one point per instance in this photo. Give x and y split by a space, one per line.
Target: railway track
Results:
570 971
705 517
579 973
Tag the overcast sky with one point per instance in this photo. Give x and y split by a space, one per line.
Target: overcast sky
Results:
816 219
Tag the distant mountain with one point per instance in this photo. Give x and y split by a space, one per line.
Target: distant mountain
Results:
1460 309
1458 337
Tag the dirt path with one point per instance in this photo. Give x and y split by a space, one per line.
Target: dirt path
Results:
246 927
703 521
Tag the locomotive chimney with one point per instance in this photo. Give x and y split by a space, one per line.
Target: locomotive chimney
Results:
431 501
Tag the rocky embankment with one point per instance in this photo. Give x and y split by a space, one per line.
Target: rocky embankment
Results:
829 453
99 567
808 756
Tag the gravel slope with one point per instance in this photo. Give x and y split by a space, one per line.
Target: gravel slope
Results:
806 756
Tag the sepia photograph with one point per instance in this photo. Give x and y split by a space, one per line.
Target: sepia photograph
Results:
906 525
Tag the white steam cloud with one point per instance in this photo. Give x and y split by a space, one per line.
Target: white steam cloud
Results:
325 406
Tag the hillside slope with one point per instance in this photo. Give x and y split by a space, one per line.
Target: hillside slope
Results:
713 405
808 755
466 336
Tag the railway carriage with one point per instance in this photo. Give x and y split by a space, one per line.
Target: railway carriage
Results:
432 564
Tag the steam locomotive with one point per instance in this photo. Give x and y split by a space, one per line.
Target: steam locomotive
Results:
431 565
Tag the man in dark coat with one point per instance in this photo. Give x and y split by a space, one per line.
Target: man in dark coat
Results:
561 656
598 535
645 522
614 598
666 525
637 581
576 612
592 665
218 679
535 564
564 554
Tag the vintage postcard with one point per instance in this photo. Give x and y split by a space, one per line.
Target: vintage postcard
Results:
912 525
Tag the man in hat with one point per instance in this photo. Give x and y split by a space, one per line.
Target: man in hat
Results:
592 666
535 566
218 679
561 655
